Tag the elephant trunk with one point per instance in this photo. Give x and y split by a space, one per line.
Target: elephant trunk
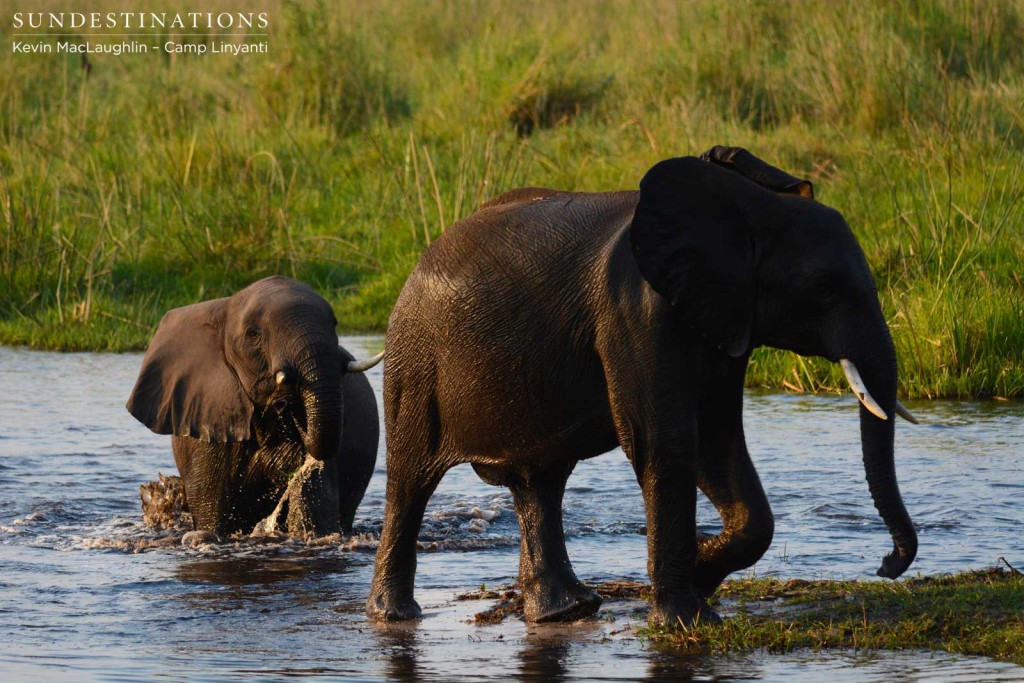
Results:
878 370
322 400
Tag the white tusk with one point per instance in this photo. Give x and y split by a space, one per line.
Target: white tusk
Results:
281 377
364 365
857 384
902 411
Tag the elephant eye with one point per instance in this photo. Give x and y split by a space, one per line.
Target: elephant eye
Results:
252 334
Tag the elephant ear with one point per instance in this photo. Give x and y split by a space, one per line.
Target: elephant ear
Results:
692 242
185 387
764 174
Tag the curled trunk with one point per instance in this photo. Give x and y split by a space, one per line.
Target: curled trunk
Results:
878 369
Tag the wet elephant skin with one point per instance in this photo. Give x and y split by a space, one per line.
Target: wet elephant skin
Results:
550 326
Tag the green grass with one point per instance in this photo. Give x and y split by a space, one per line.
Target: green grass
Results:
975 613
149 181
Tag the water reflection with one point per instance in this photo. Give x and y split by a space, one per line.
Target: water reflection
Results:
237 571
666 665
544 658
446 645
400 651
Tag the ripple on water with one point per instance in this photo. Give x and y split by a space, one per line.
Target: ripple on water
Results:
839 512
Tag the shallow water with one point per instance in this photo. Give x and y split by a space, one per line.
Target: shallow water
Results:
83 598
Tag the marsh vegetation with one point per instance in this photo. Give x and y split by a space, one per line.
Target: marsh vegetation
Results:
149 181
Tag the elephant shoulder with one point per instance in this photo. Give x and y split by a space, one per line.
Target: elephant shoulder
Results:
520 195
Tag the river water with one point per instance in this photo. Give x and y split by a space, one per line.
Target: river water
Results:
82 597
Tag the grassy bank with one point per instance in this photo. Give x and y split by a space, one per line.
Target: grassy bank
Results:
976 613
131 184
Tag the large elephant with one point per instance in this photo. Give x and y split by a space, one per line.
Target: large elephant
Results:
552 326
249 385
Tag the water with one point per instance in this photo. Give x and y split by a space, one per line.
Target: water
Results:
83 598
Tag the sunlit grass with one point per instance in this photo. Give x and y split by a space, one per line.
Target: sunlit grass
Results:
148 182
975 613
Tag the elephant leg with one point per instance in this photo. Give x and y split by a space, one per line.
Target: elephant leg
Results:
207 473
727 477
734 488
391 593
358 456
347 506
352 474
657 426
551 591
666 470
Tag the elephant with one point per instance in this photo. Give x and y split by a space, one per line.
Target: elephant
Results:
249 386
549 327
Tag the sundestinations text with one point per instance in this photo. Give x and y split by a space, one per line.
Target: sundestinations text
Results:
140 20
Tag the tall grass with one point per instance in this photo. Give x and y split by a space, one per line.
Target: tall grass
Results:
151 181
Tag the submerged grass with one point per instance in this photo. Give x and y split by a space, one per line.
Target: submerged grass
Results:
148 181
975 613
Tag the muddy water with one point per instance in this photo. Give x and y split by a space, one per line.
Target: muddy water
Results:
88 593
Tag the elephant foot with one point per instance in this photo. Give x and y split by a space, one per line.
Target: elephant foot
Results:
568 601
198 537
682 612
383 607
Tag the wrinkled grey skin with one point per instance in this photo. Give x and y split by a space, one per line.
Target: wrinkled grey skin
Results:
549 327
209 378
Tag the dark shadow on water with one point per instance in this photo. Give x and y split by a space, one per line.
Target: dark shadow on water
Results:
267 588
260 571
665 665
402 653
545 658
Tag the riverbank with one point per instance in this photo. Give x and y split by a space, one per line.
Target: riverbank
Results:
134 183
978 613
973 613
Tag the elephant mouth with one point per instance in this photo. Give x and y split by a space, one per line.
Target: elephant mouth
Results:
288 414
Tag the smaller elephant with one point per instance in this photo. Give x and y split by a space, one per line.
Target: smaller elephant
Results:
249 387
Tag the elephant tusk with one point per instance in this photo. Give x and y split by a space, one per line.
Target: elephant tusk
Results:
281 377
902 411
857 384
364 365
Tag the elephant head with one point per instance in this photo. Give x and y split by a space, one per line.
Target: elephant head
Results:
255 365
748 258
